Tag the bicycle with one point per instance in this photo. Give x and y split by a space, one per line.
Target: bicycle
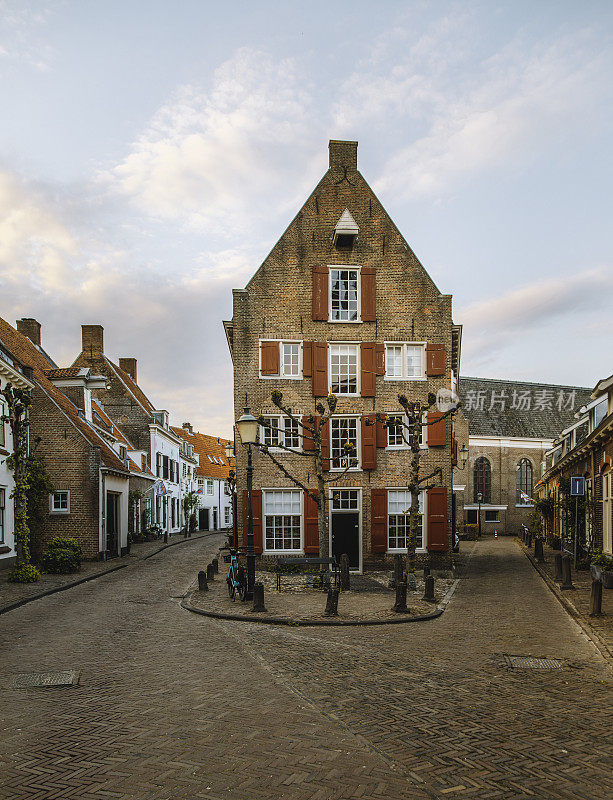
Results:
236 580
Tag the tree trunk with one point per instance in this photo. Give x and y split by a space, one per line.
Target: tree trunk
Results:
414 489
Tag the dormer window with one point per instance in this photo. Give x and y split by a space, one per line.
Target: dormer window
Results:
345 232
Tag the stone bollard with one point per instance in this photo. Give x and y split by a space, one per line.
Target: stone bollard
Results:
400 606
165 537
411 581
426 571
203 585
429 590
538 550
210 573
332 603
189 532
557 560
567 580
258 597
596 598
215 565
185 532
345 578
529 539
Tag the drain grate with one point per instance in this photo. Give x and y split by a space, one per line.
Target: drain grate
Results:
28 680
531 662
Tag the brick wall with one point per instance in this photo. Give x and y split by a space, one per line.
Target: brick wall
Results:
277 304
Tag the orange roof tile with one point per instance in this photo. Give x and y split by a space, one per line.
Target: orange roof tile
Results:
208 448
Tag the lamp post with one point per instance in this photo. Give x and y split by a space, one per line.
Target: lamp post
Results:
463 456
247 426
479 500
229 450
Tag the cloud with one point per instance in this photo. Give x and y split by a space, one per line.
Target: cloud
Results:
494 324
217 160
20 23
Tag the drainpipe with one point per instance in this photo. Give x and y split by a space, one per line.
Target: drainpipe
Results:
219 505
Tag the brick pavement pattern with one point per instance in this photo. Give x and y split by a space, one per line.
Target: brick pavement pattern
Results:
173 705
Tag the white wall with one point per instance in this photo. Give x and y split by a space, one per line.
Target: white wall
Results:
8 484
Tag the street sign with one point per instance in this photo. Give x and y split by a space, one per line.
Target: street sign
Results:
577 486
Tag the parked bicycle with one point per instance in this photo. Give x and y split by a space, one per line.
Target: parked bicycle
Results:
236 580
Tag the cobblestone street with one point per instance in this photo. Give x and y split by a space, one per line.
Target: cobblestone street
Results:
174 705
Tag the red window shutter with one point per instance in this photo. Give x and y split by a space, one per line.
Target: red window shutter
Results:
257 519
320 292
325 443
435 359
378 520
437 431
311 528
380 359
308 444
369 294
369 442
437 519
367 369
307 359
270 358
381 434
320 369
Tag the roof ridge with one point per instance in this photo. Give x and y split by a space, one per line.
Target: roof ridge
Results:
526 383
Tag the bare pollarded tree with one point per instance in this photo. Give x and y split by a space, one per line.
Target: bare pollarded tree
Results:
312 429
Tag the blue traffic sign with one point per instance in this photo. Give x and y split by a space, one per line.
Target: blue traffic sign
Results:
577 486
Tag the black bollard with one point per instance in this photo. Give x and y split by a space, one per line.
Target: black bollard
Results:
215 565
567 580
529 539
538 550
203 585
185 532
332 603
429 590
210 573
426 571
345 579
258 597
400 606
596 599
557 560
165 537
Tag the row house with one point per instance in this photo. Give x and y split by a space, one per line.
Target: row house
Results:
92 464
342 305
511 426
210 478
15 374
583 449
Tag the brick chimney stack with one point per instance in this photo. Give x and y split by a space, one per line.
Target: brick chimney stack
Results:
128 365
31 328
188 427
343 154
92 339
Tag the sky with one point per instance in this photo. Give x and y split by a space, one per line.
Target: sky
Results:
153 151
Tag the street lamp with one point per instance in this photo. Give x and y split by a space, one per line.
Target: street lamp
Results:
463 456
247 426
479 500
229 451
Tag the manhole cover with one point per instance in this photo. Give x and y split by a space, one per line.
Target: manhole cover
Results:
531 662
27 680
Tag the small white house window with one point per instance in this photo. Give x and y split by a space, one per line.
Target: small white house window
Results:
290 359
344 369
209 487
398 519
344 430
291 433
282 520
398 435
344 295
405 361
59 503
270 433
226 515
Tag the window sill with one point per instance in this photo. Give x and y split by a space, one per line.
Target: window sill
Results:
59 513
282 552
280 377
345 321
524 505
404 550
342 469
398 380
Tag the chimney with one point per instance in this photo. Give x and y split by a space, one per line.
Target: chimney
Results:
343 155
31 328
188 427
128 365
92 339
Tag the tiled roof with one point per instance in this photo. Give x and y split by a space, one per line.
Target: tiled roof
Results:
208 448
102 419
27 353
519 408
65 372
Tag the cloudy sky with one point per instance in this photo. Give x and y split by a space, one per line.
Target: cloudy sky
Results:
152 152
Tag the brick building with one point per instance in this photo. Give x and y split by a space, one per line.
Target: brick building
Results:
341 304
583 449
90 464
511 426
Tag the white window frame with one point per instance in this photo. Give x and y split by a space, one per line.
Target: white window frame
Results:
358 428
282 552
423 444
53 509
210 486
2 512
226 515
405 345
358 363
281 420
352 268
493 511
424 521
281 373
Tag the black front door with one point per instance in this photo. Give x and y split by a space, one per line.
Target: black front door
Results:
203 519
346 537
112 523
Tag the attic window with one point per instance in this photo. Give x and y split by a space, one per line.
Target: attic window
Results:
346 231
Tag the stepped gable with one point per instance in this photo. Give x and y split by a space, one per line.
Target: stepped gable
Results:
531 410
